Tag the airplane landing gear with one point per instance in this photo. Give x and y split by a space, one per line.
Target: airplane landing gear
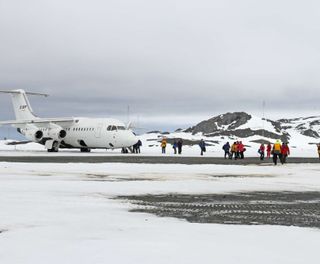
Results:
55 147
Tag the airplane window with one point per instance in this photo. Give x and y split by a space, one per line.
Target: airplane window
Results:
109 128
121 128
114 128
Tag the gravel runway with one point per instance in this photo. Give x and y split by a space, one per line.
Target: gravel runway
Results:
87 158
254 208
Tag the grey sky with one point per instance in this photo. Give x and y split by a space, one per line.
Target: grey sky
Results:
170 60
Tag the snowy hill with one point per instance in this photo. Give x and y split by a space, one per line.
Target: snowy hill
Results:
241 125
301 133
307 126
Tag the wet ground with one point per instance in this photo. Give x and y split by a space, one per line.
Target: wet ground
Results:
254 208
87 158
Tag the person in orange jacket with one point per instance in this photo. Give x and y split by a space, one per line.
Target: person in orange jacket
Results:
276 151
234 150
285 152
163 145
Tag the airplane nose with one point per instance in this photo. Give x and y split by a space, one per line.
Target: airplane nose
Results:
132 139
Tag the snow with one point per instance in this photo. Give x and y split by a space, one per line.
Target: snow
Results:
62 213
151 147
257 123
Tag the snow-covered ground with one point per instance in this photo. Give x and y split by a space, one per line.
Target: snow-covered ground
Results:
151 146
62 213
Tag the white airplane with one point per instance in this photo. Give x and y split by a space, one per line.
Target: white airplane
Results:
75 132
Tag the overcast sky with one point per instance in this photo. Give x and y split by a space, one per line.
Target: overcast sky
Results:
174 62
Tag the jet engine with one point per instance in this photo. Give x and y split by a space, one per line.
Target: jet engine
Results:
57 133
33 133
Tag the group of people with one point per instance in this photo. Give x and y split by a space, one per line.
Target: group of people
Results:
236 150
264 148
136 147
278 150
177 146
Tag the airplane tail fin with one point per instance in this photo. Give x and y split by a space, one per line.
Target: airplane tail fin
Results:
21 104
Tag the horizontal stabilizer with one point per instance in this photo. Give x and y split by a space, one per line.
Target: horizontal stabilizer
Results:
20 91
14 143
39 121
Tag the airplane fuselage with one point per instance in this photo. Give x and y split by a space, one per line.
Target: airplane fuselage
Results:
86 133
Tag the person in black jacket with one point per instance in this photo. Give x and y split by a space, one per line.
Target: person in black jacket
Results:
202 146
180 143
139 144
226 148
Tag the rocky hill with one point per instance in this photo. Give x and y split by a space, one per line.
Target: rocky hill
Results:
301 133
241 125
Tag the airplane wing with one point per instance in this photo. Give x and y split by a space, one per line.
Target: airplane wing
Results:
39 121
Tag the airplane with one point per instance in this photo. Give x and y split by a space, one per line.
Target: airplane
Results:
67 132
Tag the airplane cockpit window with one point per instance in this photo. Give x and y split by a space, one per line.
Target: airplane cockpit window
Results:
114 128
109 128
121 128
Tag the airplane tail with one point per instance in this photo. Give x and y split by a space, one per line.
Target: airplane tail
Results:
21 104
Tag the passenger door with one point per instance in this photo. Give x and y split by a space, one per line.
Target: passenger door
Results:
98 130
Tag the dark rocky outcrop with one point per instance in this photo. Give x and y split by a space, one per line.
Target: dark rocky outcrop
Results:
228 121
310 133
248 132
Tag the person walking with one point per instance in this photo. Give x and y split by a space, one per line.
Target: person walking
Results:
180 143
285 152
138 146
202 146
261 151
233 151
276 151
241 150
175 145
269 150
226 148
163 145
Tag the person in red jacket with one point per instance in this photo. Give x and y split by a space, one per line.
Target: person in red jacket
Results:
261 151
285 152
269 150
241 150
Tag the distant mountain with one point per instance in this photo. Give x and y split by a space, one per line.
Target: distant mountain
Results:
241 125
307 126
